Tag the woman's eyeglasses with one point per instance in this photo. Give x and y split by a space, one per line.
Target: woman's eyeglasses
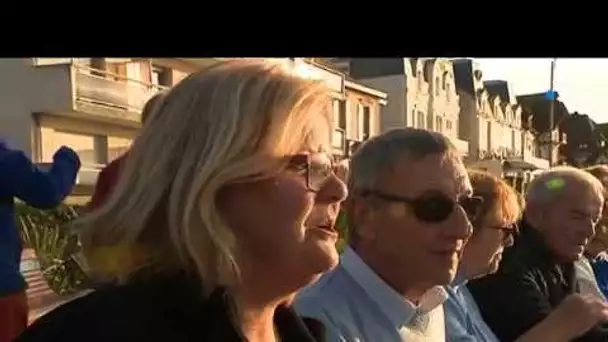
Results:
317 168
432 208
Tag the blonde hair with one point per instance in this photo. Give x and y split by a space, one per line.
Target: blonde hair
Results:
232 122
500 200
151 106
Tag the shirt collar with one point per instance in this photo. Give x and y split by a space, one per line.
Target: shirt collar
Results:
397 309
459 280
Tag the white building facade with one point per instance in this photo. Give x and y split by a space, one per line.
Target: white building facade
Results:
491 121
421 92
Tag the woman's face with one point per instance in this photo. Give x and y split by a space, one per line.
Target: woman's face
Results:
285 225
483 252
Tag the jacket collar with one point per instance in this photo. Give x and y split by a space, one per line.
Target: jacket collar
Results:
536 247
181 299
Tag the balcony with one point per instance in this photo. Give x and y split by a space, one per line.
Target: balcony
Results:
76 90
87 175
540 163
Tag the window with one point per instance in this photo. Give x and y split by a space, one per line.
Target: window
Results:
342 114
98 64
436 85
161 76
84 144
335 111
367 122
489 135
117 146
439 124
448 125
420 120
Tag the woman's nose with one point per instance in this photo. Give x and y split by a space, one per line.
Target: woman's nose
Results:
334 190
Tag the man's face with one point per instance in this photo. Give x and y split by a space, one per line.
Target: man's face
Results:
569 222
422 252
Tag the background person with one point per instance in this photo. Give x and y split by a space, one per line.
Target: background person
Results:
21 179
108 177
493 231
537 274
407 215
598 246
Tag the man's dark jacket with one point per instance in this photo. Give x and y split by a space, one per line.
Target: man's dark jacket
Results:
526 288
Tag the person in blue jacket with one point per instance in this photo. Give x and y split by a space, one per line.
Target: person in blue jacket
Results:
597 249
21 179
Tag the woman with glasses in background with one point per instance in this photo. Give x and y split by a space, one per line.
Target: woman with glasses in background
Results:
494 229
225 208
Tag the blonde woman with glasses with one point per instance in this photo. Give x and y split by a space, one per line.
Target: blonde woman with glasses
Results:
225 209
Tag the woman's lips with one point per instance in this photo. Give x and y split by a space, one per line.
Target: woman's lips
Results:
326 229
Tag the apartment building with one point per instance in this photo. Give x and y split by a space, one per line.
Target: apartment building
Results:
496 126
549 138
421 92
90 104
93 105
356 107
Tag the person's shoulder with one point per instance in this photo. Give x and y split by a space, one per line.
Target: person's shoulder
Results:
113 167
105 315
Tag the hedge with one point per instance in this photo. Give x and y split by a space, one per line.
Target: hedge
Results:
47 232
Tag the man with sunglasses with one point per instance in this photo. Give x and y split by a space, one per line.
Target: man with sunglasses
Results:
538 275
410 198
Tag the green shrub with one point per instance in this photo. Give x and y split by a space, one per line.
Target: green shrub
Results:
48 234
342 226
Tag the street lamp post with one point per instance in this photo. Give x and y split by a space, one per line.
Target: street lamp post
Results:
551 111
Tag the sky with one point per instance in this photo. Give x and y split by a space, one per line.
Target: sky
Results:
582 84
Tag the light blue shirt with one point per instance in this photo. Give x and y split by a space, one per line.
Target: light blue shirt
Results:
356 305
462 316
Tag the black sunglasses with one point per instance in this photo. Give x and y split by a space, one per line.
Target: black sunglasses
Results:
432 208
317 168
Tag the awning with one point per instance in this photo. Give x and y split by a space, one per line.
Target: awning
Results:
517 164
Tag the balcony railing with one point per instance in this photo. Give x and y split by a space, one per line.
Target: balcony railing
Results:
87 175
108 89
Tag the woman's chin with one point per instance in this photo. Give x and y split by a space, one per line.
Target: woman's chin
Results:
326 256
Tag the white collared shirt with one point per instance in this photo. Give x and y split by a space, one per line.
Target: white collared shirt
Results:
585 278
356 305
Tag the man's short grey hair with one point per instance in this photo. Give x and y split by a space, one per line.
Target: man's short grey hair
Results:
378 154
551 184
